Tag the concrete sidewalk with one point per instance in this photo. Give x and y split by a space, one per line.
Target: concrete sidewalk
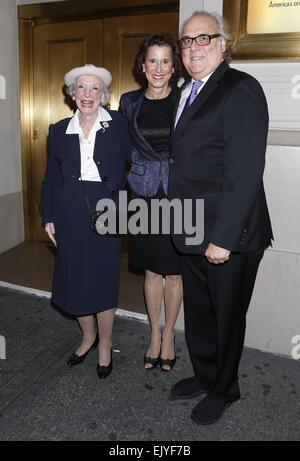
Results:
41 398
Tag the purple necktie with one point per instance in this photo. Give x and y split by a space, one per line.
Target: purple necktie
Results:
193 94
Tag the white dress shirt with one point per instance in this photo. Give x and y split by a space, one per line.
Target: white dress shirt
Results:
185 94
88 167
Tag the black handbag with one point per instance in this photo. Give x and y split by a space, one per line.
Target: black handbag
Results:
99 219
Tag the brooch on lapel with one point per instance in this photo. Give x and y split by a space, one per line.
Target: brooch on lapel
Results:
104 125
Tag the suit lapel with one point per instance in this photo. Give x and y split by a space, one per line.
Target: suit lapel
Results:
177 104
135 111
74 149
71 141
202 97
101 141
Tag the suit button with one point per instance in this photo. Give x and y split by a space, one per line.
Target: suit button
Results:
100 163
105 179
171 161
112 192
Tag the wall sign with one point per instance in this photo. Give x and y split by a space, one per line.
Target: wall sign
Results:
264 29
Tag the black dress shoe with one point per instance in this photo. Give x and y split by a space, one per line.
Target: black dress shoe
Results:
209 410
187 388
105 370
75 359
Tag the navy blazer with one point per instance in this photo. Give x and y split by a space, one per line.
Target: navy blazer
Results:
112 147
218 153
148 168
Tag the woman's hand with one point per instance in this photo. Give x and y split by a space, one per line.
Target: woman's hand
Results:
50 230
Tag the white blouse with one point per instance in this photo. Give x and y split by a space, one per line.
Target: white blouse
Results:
88 168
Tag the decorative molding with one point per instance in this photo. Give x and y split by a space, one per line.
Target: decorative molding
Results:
28 290
92 9
284 138
281 84
2 87
47 294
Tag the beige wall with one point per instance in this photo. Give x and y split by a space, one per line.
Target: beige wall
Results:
11 214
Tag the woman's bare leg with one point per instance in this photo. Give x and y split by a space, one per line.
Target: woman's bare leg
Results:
105 326
173 298
153 294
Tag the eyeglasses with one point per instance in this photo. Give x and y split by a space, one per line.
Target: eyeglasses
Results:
201 40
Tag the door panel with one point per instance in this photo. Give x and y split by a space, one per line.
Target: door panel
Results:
67 53
57 48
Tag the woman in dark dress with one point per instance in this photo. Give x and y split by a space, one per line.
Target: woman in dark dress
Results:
86 162
149 112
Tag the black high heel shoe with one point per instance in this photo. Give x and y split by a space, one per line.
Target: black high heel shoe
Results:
105 370
168 362
75 359
154 361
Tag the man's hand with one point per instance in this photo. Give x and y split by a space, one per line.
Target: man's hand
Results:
50 230
216 255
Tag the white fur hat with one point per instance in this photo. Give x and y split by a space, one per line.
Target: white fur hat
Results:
88 69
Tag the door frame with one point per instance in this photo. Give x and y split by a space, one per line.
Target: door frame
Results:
30 16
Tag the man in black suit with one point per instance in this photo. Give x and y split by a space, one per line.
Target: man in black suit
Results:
218 154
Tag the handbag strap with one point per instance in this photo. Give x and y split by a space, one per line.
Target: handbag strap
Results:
86 196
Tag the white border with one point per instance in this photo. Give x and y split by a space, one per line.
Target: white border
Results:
47 294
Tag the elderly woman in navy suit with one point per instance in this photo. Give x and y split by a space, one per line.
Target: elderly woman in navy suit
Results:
149 113
86 162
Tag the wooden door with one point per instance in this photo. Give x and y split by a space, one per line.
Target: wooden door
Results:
57 48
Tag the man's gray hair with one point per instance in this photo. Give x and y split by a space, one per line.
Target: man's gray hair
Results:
105 93
222 29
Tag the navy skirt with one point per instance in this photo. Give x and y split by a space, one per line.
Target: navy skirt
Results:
87 265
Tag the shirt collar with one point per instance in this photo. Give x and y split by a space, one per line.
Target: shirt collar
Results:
74 125
204 79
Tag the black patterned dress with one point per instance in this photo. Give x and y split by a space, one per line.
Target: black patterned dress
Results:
155 252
